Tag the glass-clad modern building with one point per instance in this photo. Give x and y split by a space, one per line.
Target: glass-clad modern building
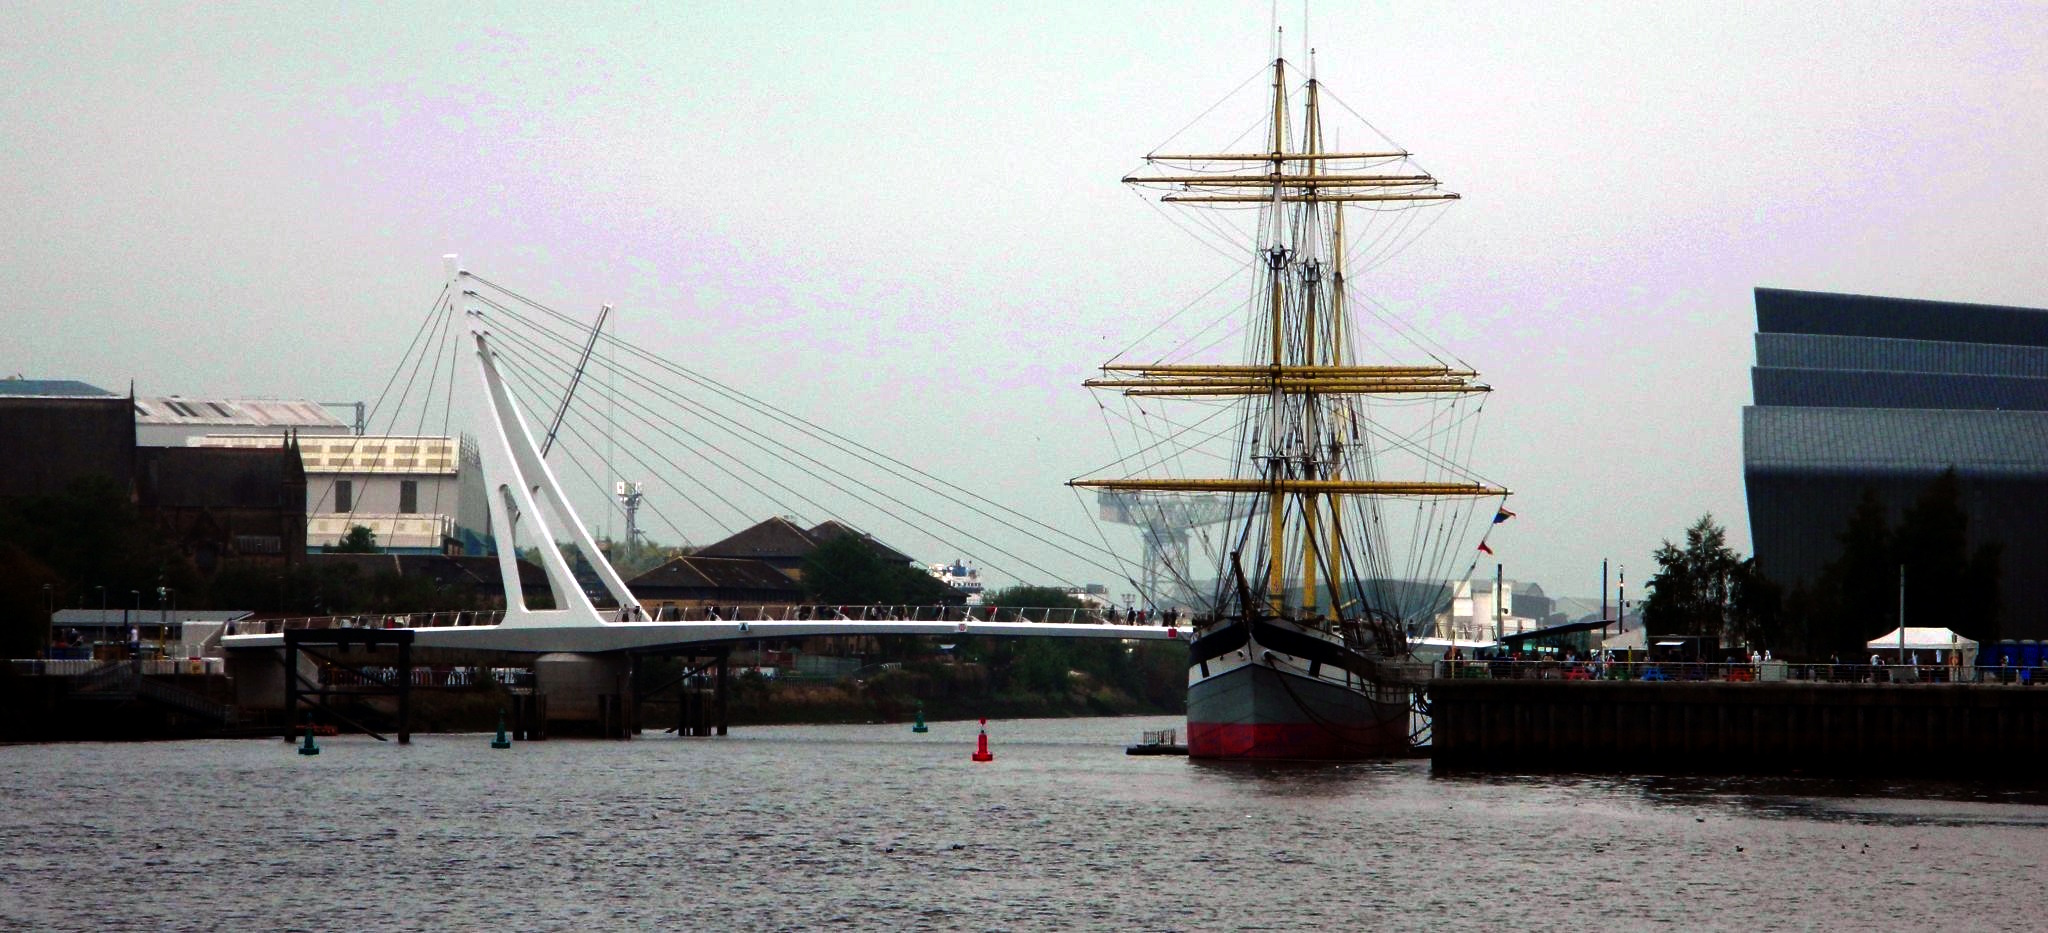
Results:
1855 392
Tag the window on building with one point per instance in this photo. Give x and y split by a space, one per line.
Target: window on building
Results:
344 496
408 496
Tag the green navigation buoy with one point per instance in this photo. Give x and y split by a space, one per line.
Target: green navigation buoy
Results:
920 726
308 748
503 740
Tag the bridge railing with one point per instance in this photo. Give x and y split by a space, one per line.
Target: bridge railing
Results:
425 676
736 613
367 620
1732 672
903 613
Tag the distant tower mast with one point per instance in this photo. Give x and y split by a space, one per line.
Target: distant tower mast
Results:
629 498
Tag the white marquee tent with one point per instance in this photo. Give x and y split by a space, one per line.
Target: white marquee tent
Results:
1927 639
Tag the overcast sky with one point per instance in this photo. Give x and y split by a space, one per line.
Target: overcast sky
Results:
905 222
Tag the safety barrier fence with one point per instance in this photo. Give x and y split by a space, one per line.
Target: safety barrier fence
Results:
88 668
1734 672
765 613
430 676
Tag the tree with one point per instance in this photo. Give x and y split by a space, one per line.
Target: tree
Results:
1857 591
1855 597
1757 609
359 540
1033 597
1947 583
1693 592
847 571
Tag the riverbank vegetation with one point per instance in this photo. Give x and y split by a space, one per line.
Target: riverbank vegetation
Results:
1705 588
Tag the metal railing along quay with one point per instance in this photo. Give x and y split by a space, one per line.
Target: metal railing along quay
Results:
425 676
87 668
766 613
1734 672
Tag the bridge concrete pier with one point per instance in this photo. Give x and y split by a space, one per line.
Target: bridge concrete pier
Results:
587 694
259 679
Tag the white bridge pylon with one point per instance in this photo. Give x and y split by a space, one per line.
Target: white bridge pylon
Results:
519 485
527 501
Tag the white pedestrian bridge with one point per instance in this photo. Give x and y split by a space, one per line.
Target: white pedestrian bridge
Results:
527 504
623 630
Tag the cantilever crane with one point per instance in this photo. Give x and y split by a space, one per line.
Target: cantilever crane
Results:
1165 522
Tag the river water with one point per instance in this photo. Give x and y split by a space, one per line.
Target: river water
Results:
863 827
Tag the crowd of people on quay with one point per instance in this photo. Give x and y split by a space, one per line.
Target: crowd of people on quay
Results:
1927 666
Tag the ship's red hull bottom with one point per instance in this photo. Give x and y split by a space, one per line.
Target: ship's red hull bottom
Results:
1291 740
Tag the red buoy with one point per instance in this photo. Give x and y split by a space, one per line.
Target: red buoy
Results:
981 744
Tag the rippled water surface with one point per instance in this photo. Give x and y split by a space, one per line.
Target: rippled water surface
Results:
874 827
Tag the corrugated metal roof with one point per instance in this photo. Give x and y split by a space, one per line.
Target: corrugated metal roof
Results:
1894 440
1827 351
58 388
1850 388
241 412
1796 312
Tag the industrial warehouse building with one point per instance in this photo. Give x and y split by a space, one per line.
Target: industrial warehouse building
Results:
1856 392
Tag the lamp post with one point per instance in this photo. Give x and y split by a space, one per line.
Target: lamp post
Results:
133 632
166 606
103 611
50 599
1499 607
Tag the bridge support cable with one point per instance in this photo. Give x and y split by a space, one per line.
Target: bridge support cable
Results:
823 435
526 373
788 452
822 476
442 332
527 376
523 385
791 454
434 320
586 411
536 357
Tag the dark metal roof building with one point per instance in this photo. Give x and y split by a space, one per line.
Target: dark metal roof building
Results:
1857 392
51 388
783 545
699 580
52 441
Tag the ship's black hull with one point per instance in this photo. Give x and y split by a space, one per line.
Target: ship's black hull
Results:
1275 691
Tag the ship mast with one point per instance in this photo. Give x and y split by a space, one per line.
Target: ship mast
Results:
1277 256
1301 397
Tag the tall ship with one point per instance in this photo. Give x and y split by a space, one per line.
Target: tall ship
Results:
1335 438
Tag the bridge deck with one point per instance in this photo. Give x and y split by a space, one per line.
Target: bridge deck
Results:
486 631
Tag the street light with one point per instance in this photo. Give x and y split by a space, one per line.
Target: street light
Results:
164 596
50 598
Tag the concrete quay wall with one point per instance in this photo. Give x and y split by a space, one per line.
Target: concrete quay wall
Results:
1960 730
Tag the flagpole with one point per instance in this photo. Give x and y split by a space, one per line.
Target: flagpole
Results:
1604 617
